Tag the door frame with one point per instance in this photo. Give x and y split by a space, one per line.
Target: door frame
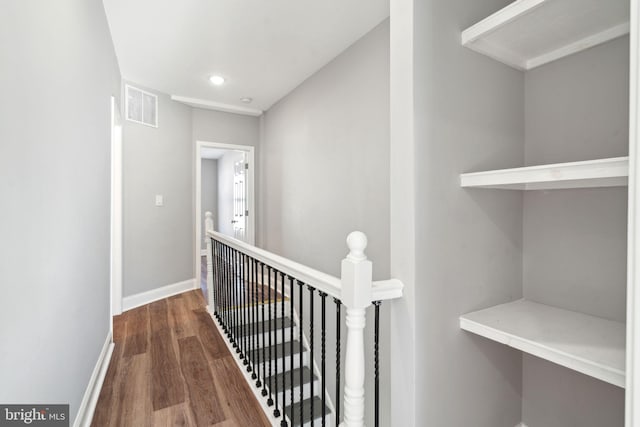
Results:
116 260
197 222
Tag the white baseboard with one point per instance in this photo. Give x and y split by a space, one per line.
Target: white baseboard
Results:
91 394
133 301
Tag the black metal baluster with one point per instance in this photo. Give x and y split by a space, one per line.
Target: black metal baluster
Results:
301 289
311 290
231 298
291 295
237 286
376 362
243 308
323 348
250 342
223 285
219 284
234 302
283 422
338 328
271 348
276 411
249 308
264 339
214 275
225 313
215 282
256 353
227 292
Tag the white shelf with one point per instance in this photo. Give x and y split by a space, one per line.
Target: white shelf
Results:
587 344
530 33
612 172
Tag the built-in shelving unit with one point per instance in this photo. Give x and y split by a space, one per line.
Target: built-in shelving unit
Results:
587 344
530 33
570 239
613 172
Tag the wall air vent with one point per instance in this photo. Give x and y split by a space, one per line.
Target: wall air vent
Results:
141 106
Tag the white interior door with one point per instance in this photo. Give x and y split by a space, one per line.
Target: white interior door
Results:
240 209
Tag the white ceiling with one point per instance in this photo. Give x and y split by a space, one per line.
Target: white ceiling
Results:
263 48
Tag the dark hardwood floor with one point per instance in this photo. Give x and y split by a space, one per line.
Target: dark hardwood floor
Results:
171 367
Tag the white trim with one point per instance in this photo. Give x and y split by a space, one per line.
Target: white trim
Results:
632 404
474 37
580 45
92 392
203 252
197 223
502 17
217 106
116 210
319 280
133 301
591 173
381 290
588 344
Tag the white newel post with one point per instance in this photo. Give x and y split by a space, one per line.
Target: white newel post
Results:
356 296
208 225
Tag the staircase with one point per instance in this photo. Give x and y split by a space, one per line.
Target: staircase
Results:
273 311
285 355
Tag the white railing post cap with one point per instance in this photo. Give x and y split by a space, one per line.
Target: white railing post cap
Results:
357 243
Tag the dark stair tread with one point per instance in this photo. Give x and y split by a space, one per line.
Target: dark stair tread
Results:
294 412
306 378
256 355
269 326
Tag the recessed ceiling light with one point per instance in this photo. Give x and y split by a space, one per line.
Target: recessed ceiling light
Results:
216 80
246 100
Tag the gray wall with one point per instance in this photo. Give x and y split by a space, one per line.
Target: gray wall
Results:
58 73
227 128
158 241
226 172
575 240
209 200
325 172
325 161
469 115
159 244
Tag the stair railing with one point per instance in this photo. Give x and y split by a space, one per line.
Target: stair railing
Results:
250 291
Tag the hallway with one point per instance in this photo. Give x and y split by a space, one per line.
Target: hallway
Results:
170 367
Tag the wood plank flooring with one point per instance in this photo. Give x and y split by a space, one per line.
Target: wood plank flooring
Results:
170 367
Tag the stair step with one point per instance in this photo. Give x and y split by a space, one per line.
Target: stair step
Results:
254 312
293 412
286 376
270 352
269 325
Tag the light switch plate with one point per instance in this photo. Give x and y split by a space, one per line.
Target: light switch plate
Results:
159 200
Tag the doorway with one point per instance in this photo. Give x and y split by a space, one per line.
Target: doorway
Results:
224 185
116 211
